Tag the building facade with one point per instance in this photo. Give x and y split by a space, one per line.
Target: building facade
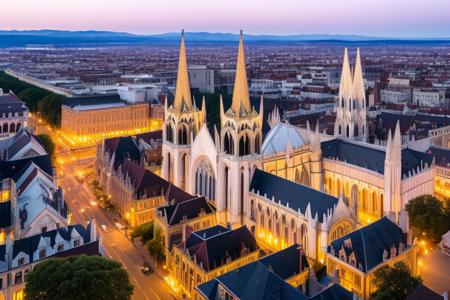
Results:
13 115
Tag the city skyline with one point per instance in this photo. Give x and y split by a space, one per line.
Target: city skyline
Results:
402 20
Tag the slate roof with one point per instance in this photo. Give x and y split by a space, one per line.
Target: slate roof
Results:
93 100
146 184
263 279
298 196
369 243
30 244
212 250
14 169
422 292
370 157
123 148
5 214
189 209
441 155
174 194
10 103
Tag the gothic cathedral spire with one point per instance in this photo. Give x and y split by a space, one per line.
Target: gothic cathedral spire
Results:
241 101
182 93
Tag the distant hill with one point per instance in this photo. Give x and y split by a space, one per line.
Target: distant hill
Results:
62 38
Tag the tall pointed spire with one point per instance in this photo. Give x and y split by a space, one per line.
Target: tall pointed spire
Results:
241 99
345 87
359 92
182 92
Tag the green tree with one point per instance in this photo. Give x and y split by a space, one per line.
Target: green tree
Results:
143 231
78 277
430 216
155 246
47 142
394 283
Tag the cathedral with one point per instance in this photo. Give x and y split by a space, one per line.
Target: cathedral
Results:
291 185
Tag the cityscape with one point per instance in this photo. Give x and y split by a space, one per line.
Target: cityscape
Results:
142 162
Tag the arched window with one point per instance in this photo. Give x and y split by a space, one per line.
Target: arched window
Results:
169 133
374 202
304 179
304 237
18 126
205 182
182 135
244 145
348 131
228 143
356 133
257 143
12 128
5 127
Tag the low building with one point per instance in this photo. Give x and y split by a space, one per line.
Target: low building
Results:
182 209
19 257
205 254
395 95
136 192
150 144
271 277
353 258
13 115
87 121
429 97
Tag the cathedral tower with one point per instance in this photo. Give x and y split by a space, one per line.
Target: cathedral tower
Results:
182 122
351 108
240 143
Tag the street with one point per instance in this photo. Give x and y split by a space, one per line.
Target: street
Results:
116 245
83 209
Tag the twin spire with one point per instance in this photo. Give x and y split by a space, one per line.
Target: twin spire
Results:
183 92
352 87
241 100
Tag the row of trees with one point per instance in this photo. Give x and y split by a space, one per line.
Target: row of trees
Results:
152 238
48 104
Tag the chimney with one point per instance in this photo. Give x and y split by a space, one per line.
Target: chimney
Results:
183 236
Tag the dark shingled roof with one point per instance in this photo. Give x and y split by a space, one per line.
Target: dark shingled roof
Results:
30 244
369 243
441 155
146 184
422 292
265 279
298 196
10 103
93 100
211 251
123 148
174 194
5 214
369 157
189 209
13 169
155 135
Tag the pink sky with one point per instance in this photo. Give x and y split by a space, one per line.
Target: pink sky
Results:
405 18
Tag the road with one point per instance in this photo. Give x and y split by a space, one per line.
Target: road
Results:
116 245
79 200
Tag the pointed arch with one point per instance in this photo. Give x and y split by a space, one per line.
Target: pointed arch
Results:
348 131
244 145
12 127
228 143
356 133
183 137
5 127
169 132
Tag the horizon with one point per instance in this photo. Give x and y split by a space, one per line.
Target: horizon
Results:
288 17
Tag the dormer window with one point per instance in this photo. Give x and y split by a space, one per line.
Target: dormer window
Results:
76 243
60 248
21 261
42 253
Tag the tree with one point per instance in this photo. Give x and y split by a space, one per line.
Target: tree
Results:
155 246
394 283
143 231
47 143
78 277
430 216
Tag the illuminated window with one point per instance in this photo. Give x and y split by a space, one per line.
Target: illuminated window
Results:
42 253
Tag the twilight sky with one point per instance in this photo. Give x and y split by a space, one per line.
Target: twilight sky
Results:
391 18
